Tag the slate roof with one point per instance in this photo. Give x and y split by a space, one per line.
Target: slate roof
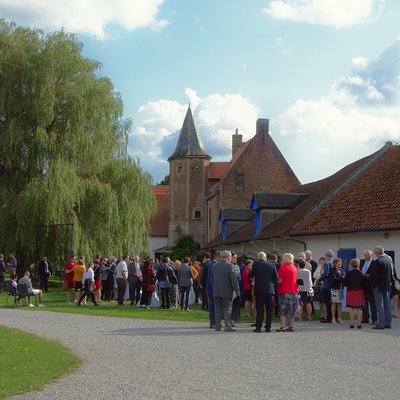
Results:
217 170
363 196
277 200
189 143
159 222
235 214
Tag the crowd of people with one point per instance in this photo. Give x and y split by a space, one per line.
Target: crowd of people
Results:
286 286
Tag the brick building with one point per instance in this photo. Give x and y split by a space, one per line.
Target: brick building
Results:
199 189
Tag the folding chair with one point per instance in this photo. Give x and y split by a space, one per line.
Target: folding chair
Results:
24 293
13 292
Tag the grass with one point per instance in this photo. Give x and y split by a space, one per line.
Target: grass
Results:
55 300
28 362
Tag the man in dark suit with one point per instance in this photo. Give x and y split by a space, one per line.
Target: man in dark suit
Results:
366 266
203 280
266 276
44 271
134 280
224 283
381 278
209 289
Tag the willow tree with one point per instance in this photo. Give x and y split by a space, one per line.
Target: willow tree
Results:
63 152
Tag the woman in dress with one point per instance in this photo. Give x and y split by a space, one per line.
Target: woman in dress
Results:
355 298
288 293
147 282
247 287
337 291
305 289
69 278
318 295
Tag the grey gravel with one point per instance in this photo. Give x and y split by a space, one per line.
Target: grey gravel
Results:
137 359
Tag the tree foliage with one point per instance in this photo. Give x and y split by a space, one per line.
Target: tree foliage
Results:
164 181
63 152
185 246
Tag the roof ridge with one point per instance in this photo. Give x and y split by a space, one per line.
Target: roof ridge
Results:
345 183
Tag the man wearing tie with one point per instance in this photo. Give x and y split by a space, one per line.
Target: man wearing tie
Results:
44 270
134 280
366 266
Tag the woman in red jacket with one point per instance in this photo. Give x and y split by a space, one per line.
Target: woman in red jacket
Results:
288 290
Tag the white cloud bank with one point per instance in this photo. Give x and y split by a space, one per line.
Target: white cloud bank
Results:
91 17
337 13
156 127
357 116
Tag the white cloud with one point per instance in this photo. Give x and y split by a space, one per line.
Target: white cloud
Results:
91 17
282 48
359 63
156 127
361 107
338 13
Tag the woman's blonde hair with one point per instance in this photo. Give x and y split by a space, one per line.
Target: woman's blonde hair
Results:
288 258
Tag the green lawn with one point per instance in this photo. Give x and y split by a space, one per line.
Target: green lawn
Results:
55 300
29 363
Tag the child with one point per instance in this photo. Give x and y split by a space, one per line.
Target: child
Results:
88 280
355 300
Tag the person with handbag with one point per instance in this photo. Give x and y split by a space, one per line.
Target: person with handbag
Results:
148 285
89 285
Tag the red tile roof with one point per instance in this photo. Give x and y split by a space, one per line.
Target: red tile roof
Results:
159 222
369 201
362 196
218 169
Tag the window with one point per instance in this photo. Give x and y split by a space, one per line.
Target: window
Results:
179 169
239 186
197 213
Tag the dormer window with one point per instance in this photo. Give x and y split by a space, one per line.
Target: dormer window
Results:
197 213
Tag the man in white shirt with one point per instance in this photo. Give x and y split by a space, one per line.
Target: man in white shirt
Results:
121 275
366 265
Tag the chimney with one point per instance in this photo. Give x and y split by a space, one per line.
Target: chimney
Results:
262 126
236 142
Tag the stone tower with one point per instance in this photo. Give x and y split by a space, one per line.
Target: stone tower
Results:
188 167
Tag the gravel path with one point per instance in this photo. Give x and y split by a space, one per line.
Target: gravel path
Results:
137 359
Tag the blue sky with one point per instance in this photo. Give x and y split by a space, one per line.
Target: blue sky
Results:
325 72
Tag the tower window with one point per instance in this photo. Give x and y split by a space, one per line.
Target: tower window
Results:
239 183
197 213
179 169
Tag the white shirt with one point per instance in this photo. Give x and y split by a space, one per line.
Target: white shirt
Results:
317 273
366 266
121 267
89 274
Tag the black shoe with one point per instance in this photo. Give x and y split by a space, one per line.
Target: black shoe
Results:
388 327
212 326
381 328
325 321
229 330
365 321
253 325
267 330
257 330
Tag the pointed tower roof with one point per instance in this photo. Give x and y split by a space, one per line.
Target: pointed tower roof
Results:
189 143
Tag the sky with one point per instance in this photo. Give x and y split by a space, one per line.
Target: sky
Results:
326 73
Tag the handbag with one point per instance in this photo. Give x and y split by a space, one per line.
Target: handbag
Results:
397 285
310 292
